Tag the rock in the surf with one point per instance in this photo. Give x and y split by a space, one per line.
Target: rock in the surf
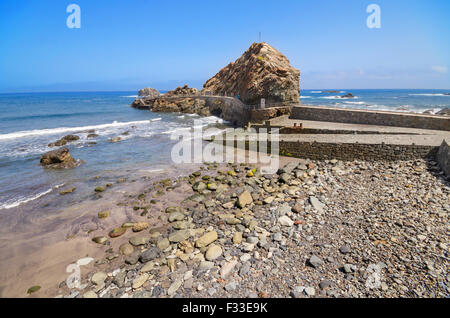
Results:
59 159
64 140
444 112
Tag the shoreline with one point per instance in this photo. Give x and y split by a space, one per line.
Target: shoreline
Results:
40 246
248 256
29 242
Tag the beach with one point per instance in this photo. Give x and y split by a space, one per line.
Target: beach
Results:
42 231
314 229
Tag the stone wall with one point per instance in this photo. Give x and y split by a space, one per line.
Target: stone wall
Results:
354 116
350 152
443 158
259 116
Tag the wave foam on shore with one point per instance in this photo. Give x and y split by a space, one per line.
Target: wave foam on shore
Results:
61 130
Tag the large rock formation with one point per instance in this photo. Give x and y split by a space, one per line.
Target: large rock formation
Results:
148 92
167 104
177 100
261 72
59 159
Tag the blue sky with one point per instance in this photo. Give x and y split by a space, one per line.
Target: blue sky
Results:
126 45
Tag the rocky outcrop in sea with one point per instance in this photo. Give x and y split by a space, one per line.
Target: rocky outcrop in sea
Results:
59 159
261 72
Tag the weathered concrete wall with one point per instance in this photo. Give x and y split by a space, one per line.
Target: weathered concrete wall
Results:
381 118
443 158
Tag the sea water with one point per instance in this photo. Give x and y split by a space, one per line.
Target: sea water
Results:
29 122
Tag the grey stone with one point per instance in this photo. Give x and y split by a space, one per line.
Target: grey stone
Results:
179 236
133 258
315 261
345 249
348 268
231 286
119 279
310 291
150 254
316 204
325 284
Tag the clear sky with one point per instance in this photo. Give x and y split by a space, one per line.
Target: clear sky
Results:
129 44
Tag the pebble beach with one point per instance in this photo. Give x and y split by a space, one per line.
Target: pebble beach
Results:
315 229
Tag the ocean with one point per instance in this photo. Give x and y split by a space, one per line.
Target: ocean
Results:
29 122
418 100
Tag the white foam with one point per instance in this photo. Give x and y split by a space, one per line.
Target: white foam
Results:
154 170
316 92
16 203
211 120
355 103
131 96
305 96
60 130
338 97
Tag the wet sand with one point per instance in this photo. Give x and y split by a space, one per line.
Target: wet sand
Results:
36 250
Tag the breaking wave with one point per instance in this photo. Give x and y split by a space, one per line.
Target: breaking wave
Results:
61 130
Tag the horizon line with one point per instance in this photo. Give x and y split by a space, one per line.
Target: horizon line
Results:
119 91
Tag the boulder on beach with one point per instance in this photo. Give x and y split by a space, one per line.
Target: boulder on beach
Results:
261 72
148 92
59 159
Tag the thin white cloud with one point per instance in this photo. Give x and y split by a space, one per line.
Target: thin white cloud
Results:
440 69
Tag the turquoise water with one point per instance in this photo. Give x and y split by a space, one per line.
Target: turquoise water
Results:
29 122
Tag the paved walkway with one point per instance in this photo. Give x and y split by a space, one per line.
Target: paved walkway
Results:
286 122
420 140
391 135
399 136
